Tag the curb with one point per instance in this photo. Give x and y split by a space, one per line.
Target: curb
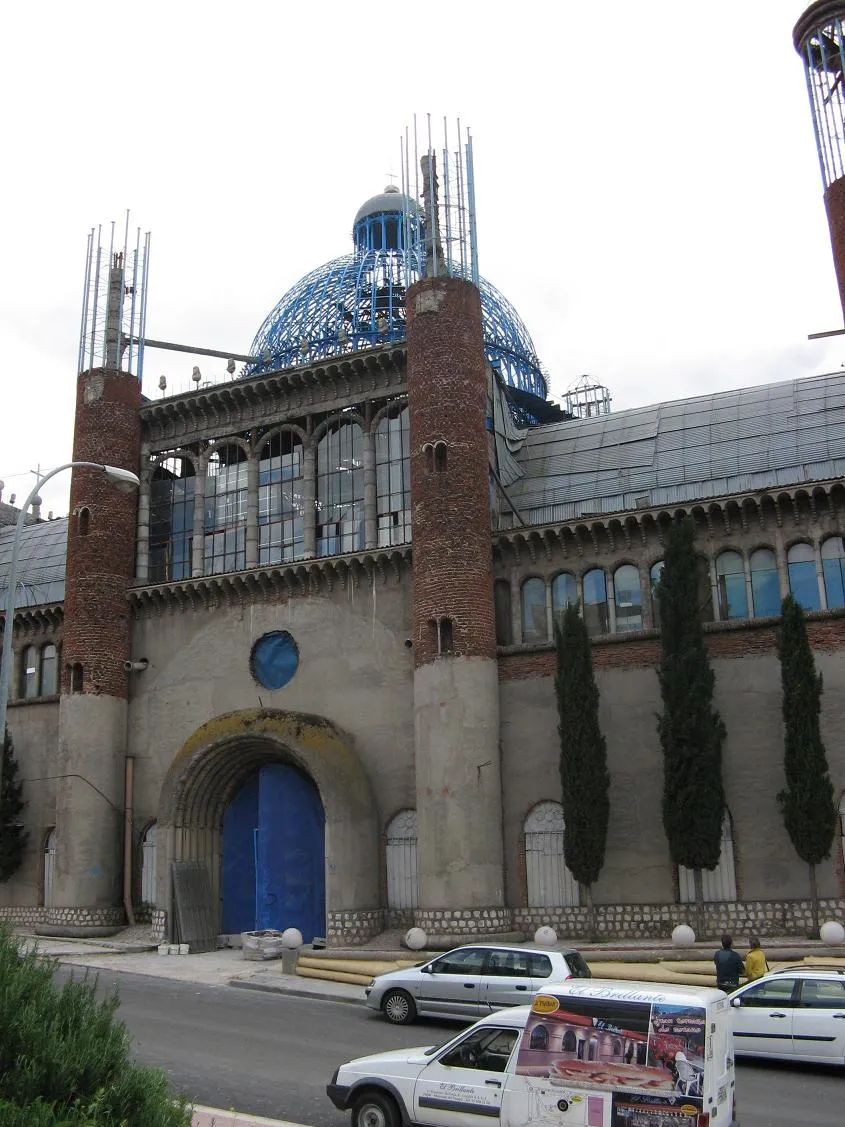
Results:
293 991
217 1117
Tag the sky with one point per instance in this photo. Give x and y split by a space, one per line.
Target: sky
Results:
647 186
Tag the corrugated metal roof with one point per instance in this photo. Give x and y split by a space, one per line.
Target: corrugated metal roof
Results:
751 438
41 563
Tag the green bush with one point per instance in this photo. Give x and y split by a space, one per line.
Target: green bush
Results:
64 1059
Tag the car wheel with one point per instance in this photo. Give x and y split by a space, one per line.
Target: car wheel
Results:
398 1007
375 1109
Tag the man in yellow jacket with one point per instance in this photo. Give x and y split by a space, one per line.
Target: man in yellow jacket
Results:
755 961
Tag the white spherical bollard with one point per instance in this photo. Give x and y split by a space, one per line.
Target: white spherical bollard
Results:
545 936
832 933
683 936
415 938
291 937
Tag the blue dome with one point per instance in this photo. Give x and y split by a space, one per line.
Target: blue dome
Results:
358 301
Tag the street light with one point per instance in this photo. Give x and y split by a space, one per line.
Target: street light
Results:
127 480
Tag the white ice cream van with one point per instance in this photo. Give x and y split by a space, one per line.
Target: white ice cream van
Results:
586 1053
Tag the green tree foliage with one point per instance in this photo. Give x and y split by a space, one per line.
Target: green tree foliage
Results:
807 803
583 752
13 836
690 729
64 1059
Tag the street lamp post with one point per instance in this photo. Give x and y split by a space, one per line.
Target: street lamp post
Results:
113 473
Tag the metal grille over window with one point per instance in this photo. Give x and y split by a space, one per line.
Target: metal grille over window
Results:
628 599
730 577
803 581
596 610
833 568
393 478
765 583
280 500
534 624
720 883
148 865
550 883
402 881
340 490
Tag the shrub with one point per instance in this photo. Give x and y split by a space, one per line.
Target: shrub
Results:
65 1061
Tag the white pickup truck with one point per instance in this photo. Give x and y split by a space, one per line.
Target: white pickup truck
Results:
586 1053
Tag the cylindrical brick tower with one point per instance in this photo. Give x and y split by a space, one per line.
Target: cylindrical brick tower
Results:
93 709
456 689
819 38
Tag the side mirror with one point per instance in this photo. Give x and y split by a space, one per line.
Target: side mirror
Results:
736 1003
426 969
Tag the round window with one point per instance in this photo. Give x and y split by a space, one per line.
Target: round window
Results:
274 659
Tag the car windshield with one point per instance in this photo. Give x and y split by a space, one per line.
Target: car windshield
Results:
578 966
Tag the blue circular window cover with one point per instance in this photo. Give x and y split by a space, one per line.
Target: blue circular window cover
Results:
274 659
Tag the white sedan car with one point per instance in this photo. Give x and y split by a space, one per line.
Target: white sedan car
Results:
797 1013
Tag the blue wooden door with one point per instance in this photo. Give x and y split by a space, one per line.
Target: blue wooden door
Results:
274 854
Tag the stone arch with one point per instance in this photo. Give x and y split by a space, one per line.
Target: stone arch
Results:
215 762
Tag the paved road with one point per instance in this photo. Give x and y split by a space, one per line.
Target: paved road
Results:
273 1055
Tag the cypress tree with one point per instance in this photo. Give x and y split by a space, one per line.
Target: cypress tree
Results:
13 836
690 729
807 803
583 755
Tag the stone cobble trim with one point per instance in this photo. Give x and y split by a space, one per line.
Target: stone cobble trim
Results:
354 927
470 921
23 916
85 917
656 921
158 922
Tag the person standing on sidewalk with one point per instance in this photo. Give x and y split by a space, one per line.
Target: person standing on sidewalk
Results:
729 965
755 961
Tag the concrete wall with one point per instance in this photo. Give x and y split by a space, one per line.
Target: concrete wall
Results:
638 868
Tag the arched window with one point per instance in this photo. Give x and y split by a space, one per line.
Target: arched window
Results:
765 583
596 610
393 478
654 581
148 865
280 500
225 509
730 582
49 670
720 883
171 520
504 621
29 673
83 521
550 883
49 866
803 582
833 566
564 592
570 1042
628 599
340 490
402 882
76 677
534 624
539 1038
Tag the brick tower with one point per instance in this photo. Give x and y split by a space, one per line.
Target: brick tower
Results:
819 38
456 690
100 566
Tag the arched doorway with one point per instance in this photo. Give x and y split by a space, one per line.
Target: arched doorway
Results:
402 879
212 774
550 883
273 864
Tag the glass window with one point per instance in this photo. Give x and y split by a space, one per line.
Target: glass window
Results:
49 670
393 479
280 500
730 582
833 566
534 625
596 612
469 960
507 964
504 621
487 1049
775 991
540 965
564 592
765 584
225 510
29 673
654 579
803 583
340 490
823 993
628 599
171 520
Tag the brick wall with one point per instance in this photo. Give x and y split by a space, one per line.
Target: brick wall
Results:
101 533
826 631
834 202
447 394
